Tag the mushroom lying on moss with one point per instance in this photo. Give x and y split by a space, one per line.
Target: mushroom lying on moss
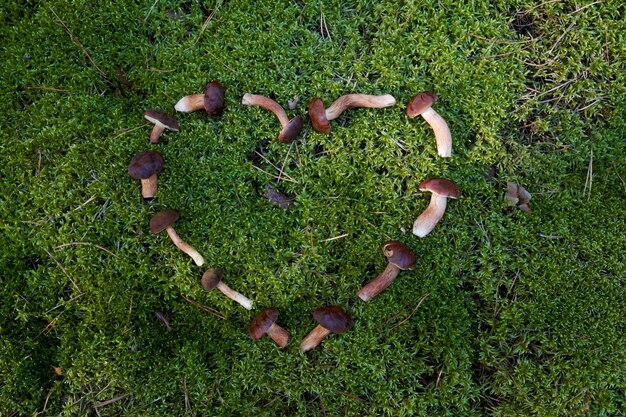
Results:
163 220
330 319
291 127
212 100
321 117
421 104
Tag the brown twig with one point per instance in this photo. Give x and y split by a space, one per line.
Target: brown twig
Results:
86 244
419 303
203 307
108 402
64 271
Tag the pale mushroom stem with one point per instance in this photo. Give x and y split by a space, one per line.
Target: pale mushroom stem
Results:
378 284
427 221
156 133
184 246
314 338
278 335
443 137
190 103
149 186
266 103
349 101
235 296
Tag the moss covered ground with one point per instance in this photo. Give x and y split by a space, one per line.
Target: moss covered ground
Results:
507 313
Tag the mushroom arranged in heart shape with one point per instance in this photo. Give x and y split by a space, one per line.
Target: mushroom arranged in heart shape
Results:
421 104
321 117
163 220
441 190
400 258
330 319
212 100
290 127
144 167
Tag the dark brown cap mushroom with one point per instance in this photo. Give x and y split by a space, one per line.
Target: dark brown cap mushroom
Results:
421 104
265 322
330 319
441 190
212 101
163 220
212 279
291 127
320 117
161 122
400 258
144 167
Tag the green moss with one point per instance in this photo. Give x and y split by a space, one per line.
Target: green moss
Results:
523 313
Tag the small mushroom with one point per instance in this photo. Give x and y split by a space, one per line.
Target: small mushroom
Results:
511 198
163 220
212 279
421 104
321 117
441 190
161 122
212 101
144 167
400 258
291 128
330 319
265 322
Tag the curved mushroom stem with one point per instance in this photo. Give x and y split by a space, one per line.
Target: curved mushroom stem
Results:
314 338
266 103
278 335
378 284
234 295
149 186
184 246
426 221
443 138
349 101
190 103
156 133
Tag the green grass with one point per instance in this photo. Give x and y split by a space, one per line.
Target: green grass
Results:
524 314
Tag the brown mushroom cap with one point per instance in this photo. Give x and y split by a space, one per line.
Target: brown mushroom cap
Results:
162 220
317 114
161 118
333 318
420 102
145 164
211 278
441 186
289 132
214 99
262 322
399 254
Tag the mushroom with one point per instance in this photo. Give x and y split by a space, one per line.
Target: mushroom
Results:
320 117
212 101
144 167
265 322
441 190
421 104
212 279
291 128
400 258
330 319
163 220
161 122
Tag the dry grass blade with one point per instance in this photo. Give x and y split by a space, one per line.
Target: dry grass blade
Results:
589 178
64 271
108 402
85 244
419 303
203 307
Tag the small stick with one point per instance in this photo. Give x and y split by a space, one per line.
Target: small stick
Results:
275 176
334 238
203 307
107 402
419 303
280 171
86 244
64 271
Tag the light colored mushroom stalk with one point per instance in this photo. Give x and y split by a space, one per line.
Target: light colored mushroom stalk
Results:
378 284
443 137
267 103
314 338
190 103
278 335
155 135
184 246
235 296
427 221
349 101
149 186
